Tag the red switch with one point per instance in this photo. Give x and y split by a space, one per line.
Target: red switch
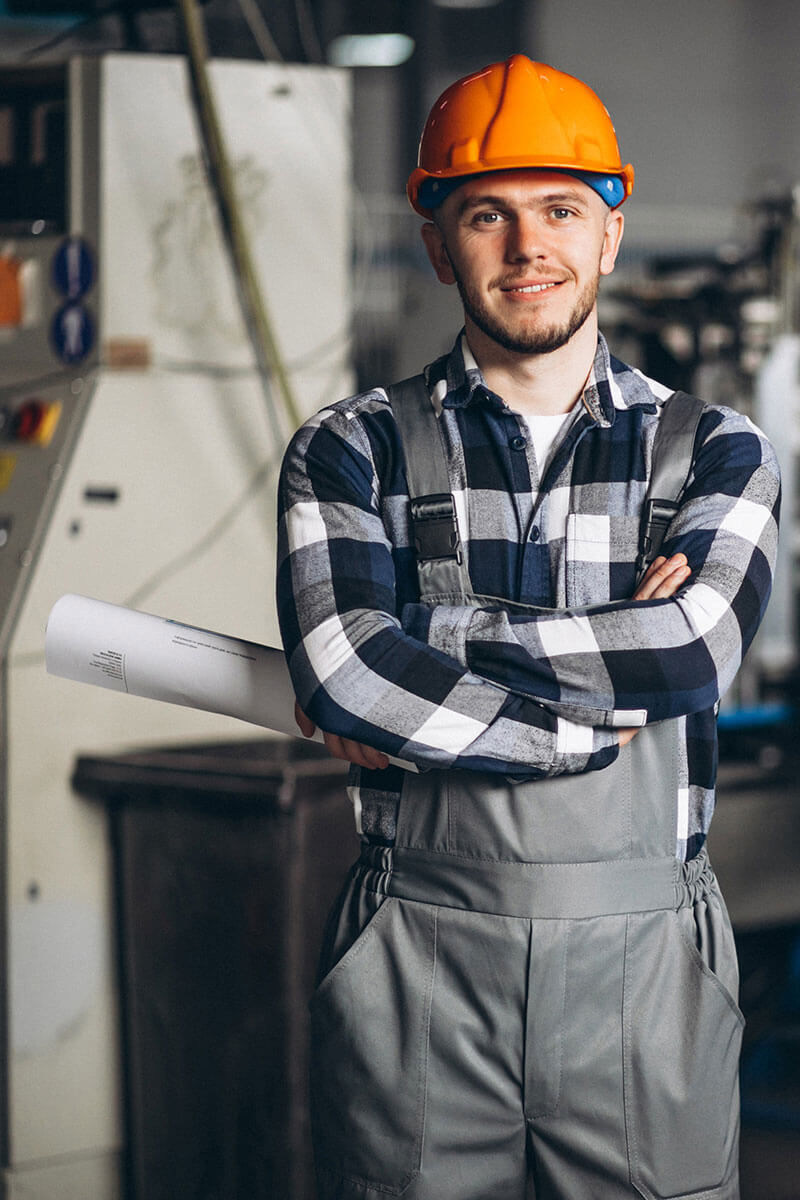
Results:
35 421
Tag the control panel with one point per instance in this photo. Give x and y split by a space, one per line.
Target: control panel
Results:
48 272
48 306
37 431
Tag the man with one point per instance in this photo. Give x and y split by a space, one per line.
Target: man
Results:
529 981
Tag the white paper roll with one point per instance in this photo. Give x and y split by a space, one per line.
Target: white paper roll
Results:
114 647
119 648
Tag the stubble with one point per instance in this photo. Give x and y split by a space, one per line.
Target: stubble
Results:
536 339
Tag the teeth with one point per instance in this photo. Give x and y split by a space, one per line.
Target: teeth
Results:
535 287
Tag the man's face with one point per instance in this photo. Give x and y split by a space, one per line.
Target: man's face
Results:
526 250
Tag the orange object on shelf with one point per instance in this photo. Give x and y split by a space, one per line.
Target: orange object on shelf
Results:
10 291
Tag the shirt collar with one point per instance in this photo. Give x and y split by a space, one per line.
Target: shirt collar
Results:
597 398
456 381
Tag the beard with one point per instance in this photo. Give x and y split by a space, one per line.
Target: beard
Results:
539 340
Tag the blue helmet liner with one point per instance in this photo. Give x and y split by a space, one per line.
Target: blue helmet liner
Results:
610 188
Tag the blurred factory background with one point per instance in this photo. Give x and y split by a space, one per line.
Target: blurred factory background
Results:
203 239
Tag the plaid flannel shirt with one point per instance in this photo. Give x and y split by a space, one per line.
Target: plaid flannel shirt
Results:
534 692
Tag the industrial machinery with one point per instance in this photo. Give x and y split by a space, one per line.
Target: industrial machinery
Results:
138 463
725 324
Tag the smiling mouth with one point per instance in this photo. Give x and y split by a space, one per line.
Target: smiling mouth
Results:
531 288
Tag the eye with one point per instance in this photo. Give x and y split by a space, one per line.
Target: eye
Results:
490 217
561 214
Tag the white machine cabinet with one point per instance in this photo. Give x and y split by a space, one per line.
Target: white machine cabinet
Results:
138 464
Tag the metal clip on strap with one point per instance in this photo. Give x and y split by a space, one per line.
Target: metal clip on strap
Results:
673 455
656 515
435 529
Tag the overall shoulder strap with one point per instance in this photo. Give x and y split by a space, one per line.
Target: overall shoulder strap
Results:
433 511
673 454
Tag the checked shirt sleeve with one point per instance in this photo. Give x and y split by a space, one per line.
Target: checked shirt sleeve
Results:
356 673
627 663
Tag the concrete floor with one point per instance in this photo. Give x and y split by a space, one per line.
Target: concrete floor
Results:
755 848
770 1164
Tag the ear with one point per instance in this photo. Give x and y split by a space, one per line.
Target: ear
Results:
615 224
433 238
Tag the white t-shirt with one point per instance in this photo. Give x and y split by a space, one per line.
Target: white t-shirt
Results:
546 433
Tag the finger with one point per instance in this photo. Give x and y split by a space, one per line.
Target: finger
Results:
355 752
670 585
661 567
663 573
627 734
668 575
643 589
335 746
305 724
364 756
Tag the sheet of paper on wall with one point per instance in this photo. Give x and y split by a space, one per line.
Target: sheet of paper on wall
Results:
110 646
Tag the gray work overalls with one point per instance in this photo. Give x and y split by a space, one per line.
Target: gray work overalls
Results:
528 995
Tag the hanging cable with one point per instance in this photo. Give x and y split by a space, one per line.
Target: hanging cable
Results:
265 474
254 309
258 27
309 38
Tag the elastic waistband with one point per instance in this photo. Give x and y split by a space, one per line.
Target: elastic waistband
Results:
534 889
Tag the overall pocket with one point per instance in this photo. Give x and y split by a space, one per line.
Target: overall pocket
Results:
369 1051
682 1038
571 818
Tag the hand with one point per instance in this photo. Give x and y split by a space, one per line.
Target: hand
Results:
305 724
660 581
663 578
344 748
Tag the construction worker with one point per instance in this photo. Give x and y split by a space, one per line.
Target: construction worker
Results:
528 985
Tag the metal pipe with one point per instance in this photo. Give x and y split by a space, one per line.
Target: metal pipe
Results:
254 309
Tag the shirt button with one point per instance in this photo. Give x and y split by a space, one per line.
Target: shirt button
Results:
535 534
518 442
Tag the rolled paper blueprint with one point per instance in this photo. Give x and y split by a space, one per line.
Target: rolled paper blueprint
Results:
119 648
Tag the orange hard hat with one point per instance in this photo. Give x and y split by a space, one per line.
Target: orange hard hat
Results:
512 115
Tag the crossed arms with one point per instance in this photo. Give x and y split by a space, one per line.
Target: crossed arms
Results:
541 693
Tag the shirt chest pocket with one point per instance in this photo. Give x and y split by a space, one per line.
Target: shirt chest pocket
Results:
600 557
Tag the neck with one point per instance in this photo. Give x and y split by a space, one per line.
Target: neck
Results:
537 384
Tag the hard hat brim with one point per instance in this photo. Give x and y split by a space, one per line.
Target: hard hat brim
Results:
419 176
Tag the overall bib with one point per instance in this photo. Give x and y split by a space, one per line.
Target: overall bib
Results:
527 995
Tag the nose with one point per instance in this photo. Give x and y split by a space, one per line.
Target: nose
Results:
526 239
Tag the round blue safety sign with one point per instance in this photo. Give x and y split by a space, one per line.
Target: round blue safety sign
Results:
73 268
72 332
